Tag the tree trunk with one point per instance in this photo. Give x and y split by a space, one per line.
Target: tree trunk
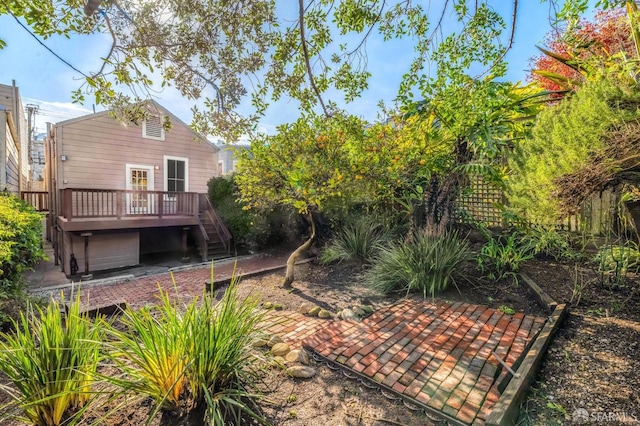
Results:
291 261
443 192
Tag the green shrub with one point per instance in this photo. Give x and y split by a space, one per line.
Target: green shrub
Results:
223 194
255 228
20 242
191 356
616 260
424 263
501 257
51 361
358 241
548 242
221 372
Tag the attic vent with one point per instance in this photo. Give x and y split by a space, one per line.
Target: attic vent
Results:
152 128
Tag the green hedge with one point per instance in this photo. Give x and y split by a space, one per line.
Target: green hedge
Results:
20 242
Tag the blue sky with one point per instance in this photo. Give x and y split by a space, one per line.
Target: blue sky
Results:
46 81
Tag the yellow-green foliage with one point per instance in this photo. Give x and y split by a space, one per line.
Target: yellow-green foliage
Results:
51 361
564 138
20 241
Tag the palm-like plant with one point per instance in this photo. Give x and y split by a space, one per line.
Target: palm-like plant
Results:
51 361
626 68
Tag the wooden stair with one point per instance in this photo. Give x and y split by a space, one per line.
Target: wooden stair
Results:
212 235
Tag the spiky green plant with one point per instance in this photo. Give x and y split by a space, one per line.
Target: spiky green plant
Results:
358 241
501 257
427 264
221 373
193 355
51 361
151 351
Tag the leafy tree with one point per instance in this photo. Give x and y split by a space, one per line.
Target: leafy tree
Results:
303 166
227 51
582 145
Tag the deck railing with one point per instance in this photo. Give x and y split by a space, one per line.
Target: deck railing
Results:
109 203
38 199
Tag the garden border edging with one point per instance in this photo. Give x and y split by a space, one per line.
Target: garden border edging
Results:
507 409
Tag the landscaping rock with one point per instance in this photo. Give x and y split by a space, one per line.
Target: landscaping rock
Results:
259 343
280 361
301 372
274 340
277 306
324 314
359 311
314 311
298 355
267 305
368 309
280 349
348 314
304 308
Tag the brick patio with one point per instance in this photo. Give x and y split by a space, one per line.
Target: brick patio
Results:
438 355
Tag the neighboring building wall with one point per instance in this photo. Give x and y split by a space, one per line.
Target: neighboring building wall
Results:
106 251
98 149
12 102
9 156
227 158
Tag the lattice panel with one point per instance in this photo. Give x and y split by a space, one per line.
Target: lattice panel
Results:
481 202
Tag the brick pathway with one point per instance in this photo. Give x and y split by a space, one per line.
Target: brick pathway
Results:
440 356
188 283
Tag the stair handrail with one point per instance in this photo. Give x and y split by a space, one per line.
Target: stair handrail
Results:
223 231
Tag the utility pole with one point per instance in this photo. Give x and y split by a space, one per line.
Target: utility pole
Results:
32 110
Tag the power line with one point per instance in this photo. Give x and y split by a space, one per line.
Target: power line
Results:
42 44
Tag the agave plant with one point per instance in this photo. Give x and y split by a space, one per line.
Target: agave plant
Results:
51 361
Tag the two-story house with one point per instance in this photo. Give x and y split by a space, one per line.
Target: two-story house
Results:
118 192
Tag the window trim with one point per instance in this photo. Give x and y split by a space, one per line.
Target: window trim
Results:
144 129
166 172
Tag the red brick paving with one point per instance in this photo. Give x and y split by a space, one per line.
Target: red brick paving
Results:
440 355
189 283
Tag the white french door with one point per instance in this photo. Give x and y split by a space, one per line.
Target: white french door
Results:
139 178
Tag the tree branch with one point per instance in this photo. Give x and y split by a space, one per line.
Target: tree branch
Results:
305 52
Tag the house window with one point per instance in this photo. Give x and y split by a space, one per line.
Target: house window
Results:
177 174
152 128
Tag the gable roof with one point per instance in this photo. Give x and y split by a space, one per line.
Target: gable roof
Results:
165 111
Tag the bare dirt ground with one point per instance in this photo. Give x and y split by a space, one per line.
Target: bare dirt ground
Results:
591 365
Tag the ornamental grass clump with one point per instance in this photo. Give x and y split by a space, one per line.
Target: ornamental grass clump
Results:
358 241
221 370
151 349
192 358
424 263
51 361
